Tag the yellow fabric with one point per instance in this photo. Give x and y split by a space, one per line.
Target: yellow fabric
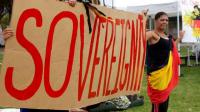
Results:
160 79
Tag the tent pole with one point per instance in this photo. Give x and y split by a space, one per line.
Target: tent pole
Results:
112 4
178 29
150 23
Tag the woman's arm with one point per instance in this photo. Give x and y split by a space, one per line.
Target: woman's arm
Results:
152 36
179 39
149 35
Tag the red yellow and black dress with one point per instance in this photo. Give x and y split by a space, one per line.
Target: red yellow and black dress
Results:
162 72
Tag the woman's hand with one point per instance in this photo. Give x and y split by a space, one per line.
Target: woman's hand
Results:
7 33
72 2
145 12
181 34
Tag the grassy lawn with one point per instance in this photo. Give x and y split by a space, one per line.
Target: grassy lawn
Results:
186 96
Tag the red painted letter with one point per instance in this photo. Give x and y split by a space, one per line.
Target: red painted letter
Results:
33 87
71 16
82 80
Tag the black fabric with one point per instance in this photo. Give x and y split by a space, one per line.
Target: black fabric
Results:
158 54
88 16
162 107
87 5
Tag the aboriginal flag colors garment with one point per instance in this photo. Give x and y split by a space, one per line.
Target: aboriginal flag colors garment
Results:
162 70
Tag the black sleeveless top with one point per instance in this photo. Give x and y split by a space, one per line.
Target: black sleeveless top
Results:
158 54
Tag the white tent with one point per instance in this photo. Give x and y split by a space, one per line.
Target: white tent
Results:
136 5
154 6
171 8
125 3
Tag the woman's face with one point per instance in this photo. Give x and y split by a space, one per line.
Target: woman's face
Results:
162 22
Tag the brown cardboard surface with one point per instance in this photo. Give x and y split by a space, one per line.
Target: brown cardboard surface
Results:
103 64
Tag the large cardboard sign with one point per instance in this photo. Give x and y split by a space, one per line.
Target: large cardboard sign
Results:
191 20
53 62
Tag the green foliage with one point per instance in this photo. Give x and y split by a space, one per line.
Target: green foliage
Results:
5 11
5 21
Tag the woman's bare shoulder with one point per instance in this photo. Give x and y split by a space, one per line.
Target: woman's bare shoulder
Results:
149 34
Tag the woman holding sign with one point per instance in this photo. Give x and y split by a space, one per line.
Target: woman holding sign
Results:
162 63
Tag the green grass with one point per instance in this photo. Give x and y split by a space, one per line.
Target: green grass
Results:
1 57
184 51
185 97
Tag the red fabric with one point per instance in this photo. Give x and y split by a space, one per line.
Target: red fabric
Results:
157 96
